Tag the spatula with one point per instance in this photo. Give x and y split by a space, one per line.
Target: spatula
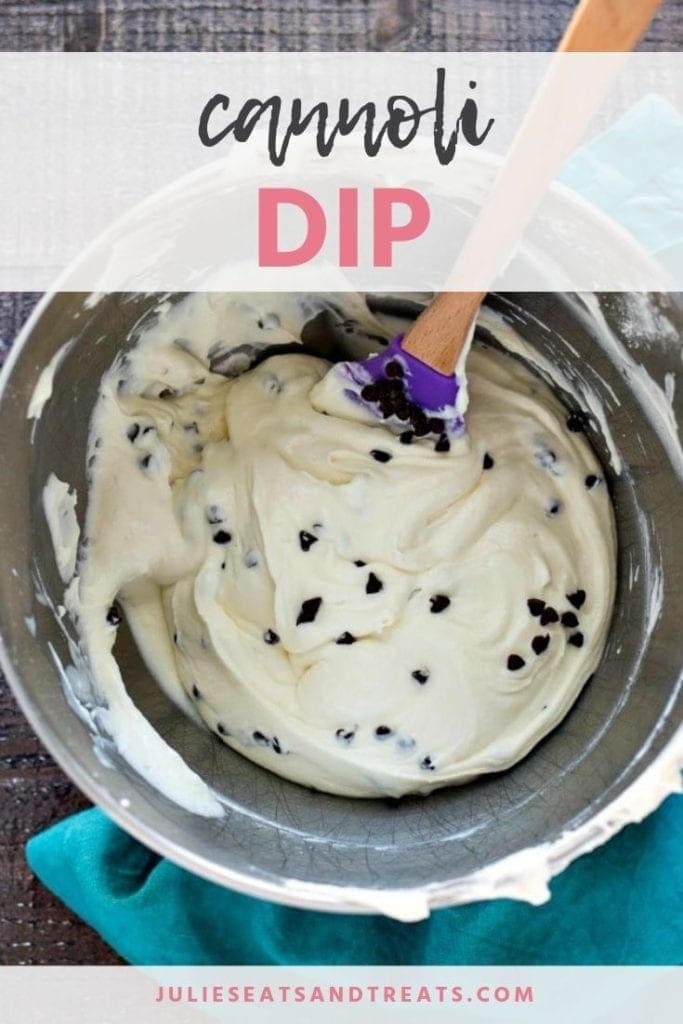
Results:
416 383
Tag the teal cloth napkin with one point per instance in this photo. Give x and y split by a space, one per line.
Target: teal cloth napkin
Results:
622 904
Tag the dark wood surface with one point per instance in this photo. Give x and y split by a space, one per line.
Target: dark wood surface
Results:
34 927
301 24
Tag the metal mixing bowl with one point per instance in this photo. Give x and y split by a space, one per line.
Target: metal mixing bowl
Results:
282 841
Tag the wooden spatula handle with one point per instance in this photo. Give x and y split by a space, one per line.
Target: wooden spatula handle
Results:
440 332
448 317
607 26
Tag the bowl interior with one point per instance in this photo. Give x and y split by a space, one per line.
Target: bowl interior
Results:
274 829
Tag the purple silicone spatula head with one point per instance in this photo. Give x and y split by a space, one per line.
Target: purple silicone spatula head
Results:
412 397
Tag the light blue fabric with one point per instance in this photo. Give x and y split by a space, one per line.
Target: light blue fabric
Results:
634 173
623 904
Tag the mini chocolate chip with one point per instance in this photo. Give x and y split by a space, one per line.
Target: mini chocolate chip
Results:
308 611
549 615
145 461
222 537
488 462
175 638
360 563
275 744
439 603
569 620
345 639
577 598
402 408
407 436
553 507
213 515
148 429
435 424
535 606
370 393
515 662
395 389
547 459
196 693
427 764
345 735
166 393
591 480
393 369
271 637
420 426
443 444
113 616
133 431
373 584
306 540
577 421
380 456
420 675
223 565
576 639
260 738
221 730
540 643
405 743
382 732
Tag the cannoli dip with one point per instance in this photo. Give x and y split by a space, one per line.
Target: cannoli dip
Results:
365 611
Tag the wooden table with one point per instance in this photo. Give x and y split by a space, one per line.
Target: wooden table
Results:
34 927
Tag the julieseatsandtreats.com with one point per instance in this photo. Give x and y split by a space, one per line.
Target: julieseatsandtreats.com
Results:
344 994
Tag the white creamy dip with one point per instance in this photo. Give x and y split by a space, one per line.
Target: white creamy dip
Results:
358 614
